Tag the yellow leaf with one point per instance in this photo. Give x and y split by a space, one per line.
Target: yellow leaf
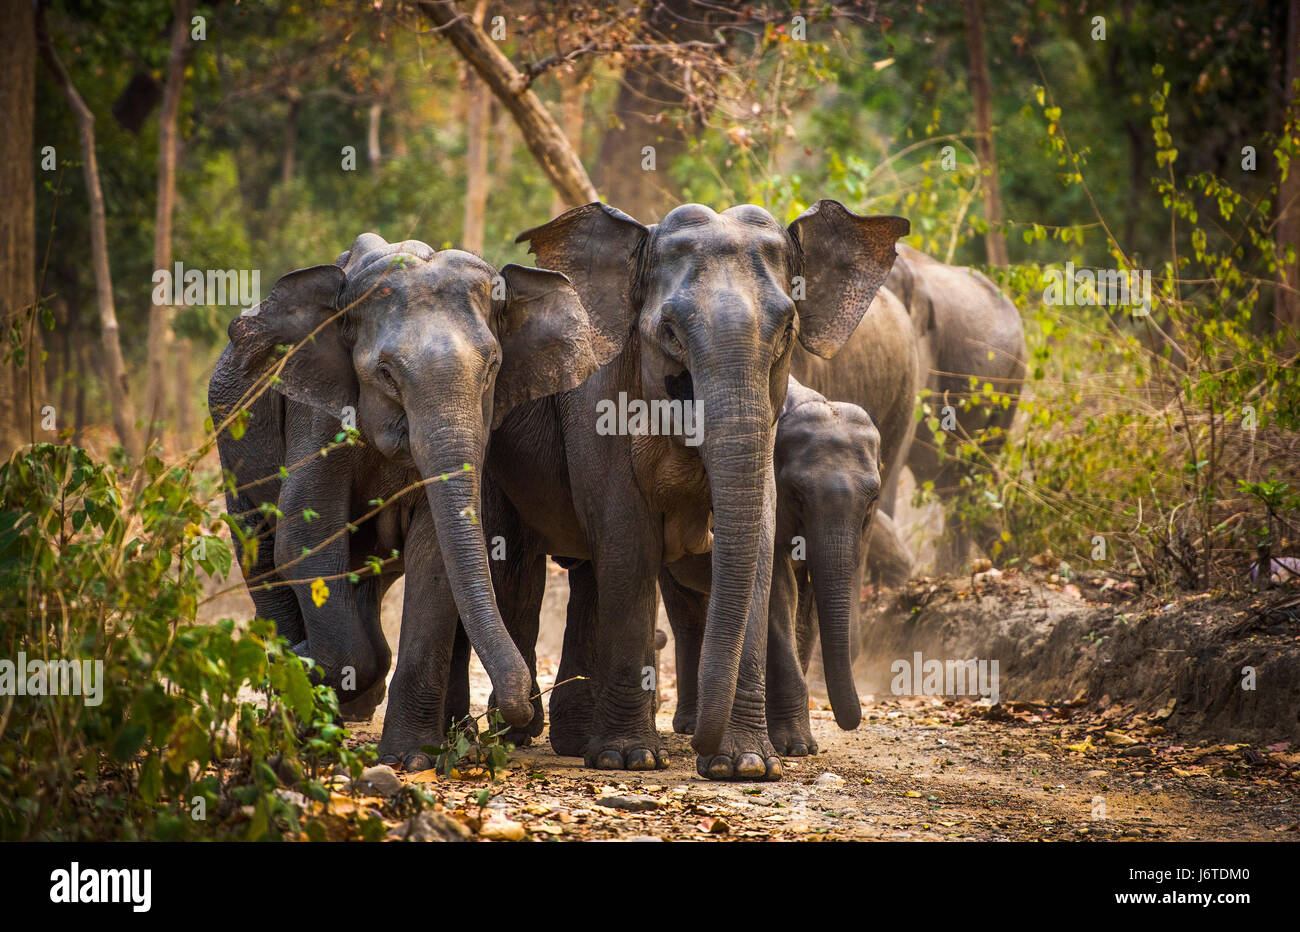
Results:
319 592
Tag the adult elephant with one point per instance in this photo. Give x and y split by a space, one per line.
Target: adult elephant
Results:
705 308
967 329
879 369
427 350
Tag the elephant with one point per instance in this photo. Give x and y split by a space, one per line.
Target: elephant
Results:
827 484
705 309
879 369
428 350
966 328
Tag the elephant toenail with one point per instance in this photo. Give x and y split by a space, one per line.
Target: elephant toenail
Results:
609 760
774 768
719 768
418 761
641 759
750 767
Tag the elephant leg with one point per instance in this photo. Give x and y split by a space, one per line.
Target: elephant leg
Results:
369 597
572 704
519 591
788 724
805 621
890 559
458 679
686 613
416 714
625 736
339 631
745 751
272 599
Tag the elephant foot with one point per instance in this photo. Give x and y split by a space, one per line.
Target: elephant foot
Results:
411 761
792 737
634 752
745 754
684 720
362 707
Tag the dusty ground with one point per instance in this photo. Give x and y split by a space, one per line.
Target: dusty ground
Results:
924 768
1120 718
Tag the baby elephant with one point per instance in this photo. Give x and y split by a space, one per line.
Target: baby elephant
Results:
827 481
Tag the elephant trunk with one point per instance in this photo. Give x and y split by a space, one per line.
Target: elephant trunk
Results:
737 455
834 563
455 504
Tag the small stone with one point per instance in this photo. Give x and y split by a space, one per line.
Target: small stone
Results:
378 781
637 803
430 826
829 779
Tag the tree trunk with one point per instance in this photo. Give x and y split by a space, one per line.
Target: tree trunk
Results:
289 153
373 153
649 88
160 328
1288 193
479 100
572 95
994 242
17 209
544 138
505 140
119 392
182 351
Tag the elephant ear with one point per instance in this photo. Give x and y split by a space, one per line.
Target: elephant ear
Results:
548 344
845 260
596 246
319 372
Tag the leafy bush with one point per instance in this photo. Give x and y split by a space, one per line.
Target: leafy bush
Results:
200 730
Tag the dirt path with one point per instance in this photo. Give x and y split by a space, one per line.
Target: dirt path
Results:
924 768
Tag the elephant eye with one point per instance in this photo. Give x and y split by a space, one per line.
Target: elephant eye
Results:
670 338
787 338
386 374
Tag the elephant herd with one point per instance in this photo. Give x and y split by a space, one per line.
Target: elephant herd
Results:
799 350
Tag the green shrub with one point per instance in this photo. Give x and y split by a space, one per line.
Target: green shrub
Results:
200 731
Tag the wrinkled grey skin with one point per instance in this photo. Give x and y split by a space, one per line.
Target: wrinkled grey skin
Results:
879 369
427 354
827 484
701 308
966 327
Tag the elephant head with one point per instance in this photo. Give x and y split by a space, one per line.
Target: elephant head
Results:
713 304
828 480
428 350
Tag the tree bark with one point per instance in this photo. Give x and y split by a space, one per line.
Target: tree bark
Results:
572 95
479 109
119 392
289 154
373 153
17 210
505 140
649 87
160 327
995 243
1288 192
544 138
